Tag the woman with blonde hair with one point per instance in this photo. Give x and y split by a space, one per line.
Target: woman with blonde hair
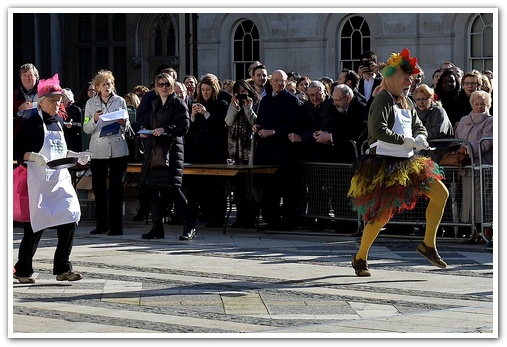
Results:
169 122
109 153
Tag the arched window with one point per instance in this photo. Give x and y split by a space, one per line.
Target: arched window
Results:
246 48
481 42
354 40
164 42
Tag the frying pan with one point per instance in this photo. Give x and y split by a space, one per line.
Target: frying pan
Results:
62 163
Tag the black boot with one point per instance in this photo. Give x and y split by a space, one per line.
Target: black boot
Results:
153 234
188 234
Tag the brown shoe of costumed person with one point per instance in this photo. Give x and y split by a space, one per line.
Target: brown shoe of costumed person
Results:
361 267
432 255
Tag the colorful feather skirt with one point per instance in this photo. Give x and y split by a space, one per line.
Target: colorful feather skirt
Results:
391 185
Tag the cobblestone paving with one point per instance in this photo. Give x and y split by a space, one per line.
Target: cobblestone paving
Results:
253 282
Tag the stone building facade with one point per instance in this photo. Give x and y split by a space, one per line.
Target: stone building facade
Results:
135 46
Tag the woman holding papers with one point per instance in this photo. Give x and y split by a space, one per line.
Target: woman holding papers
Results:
106 119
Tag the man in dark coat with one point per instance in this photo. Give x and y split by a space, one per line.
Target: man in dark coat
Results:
276 120
349 124
314 115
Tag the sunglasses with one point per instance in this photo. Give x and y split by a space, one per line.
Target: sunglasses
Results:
162 85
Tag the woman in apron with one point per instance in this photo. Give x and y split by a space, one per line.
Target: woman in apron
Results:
390 178
52 198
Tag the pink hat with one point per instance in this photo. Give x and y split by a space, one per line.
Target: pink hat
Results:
49 87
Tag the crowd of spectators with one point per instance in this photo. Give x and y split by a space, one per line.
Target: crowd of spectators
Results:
273 117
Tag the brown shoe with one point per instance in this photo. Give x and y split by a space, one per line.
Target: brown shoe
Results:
432 255
361 267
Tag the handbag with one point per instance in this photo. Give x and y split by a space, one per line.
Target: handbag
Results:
20 205
159 156
457 158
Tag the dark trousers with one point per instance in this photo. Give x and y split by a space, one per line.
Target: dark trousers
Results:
115 168
144 200
30 242
161 198
207 195
274 188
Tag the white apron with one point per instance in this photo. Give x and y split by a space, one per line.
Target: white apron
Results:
402 125
53 199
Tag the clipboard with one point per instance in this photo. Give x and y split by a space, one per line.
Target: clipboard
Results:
110 129
29 112
108 122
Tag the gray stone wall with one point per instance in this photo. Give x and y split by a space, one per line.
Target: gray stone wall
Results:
309 43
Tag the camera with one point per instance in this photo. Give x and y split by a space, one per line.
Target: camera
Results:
241 96
366 64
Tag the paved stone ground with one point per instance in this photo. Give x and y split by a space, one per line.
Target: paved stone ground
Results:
255 283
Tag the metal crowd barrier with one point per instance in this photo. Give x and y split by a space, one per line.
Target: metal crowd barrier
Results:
487 189
323 191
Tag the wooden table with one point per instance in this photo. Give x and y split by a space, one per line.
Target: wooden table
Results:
228 172
214 169
219 170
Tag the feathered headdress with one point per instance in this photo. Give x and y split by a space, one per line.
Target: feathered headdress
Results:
49 87
403 61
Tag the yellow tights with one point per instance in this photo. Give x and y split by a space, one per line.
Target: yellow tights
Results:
437 194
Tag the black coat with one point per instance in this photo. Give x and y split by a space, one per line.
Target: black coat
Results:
312 119
279 113
351 125
206 141
173 117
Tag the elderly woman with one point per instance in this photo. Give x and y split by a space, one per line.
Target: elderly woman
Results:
162 169
109 152
52 198
432 115
390 178
473 127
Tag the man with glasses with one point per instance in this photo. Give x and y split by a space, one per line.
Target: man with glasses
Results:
315 115
276 119
349 124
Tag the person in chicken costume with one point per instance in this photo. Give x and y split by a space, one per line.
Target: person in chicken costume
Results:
392 176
